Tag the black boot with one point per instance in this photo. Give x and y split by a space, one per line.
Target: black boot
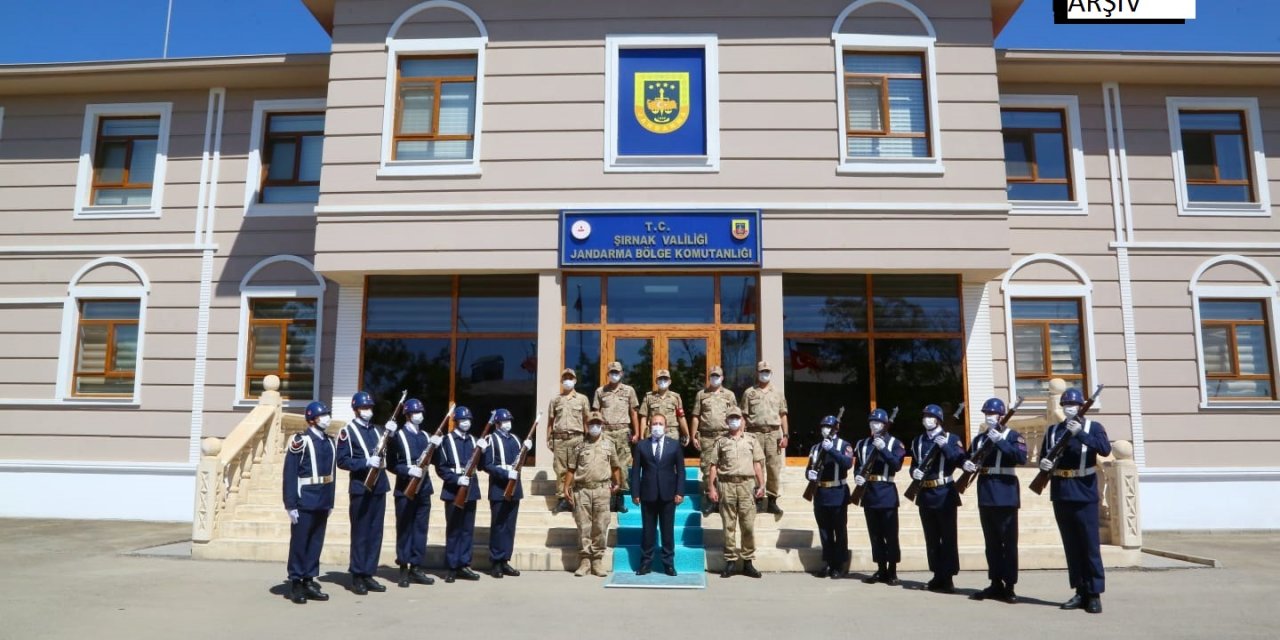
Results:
1007 595
404 576
496 570
467 574
773 506
374 585
509 570
358 586
995 590
450 576
878 576
729 566
312 590
296 594
891 578
749 570
1093 604
419 576
824 572
1076 602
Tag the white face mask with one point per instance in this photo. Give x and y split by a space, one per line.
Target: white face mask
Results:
764 376
464 425
663 384
930 423
567 384
716 380
366 414
615 377
877 427
323 421
415 418
505 426
594 430
734 424
1070 410
826 432
993 420
657 430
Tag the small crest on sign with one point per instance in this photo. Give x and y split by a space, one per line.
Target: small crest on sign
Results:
740 228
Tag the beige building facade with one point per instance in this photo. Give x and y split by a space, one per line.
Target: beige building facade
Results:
935 221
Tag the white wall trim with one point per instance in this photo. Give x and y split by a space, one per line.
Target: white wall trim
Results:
1070 104
347 349
248 292
437 4
978 349
709 163
1253 131
202 193
1264 292
1132 366
211 204
152 491
901 4
88 142
132 266
99 466
768 207
253 173
105 248
1209 498
1196 246
71 319
200 372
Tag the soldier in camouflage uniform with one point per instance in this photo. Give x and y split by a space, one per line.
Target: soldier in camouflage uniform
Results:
710 407
590 478
616 402
668 403
567 414
736 482
765 409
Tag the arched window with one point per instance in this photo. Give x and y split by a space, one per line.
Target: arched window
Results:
1048 319
103 329
281 322
1234 306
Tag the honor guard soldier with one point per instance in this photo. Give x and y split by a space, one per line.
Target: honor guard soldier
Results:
829 463
735 483
500 463
880 455
938 499
309 465
568 412
617 402
592 476
452 458
998 500
1073 489
413 515
357 447
710 408
668 403
765 409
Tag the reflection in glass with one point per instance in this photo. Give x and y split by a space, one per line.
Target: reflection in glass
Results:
409 304
912 373
636 356
497 373
819 303
582 354
739 299
821 375
661 299
501 303
687 360
738 359
418 365
916 303
582 299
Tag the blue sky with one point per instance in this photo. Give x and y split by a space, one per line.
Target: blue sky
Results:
73 30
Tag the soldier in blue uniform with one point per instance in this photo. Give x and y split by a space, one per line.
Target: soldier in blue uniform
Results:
452 459
309 465
1073 489
499 462
357 453
999 500
938 500
829 463
412 515
880 498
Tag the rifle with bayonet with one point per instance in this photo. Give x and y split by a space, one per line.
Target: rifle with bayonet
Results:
460 497
1042 478
983 451
371 478
816 463
935 455
872 458
510 491
411 490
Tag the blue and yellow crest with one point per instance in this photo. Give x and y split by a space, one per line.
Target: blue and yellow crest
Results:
662 100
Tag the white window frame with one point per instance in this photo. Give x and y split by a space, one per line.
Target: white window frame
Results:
1253 131
248 292
71 324
1070 105
396 48
262 109
1263 292
88 144
1083 291
708 163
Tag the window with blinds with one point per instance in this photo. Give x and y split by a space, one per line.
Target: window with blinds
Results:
435 108
124 161
1216 156
1048 342
291 158
282 342
888 105
1236 342
106 348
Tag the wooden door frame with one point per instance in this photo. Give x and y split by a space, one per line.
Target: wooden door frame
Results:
661 337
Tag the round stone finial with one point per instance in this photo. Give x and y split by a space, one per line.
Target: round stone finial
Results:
1057 386
211 446
271 383
1122 450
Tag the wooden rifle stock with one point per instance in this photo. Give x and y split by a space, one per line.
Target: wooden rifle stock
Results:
913 489
1042 478
411 491
510 491
860 490
460 497
371 478
816 464
983 451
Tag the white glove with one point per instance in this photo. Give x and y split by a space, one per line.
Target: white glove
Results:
1046 464
1074 427
435 441
940 440
859 480
995 435
969 467
827 443
811 475
415 471
391 426
917 474
879 443
464 481
483 444
512 474
293 516
374 461
528 445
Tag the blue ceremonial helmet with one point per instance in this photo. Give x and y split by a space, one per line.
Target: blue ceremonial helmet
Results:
829 421
1072 396
935 411
413 405
994 405
315 410
461 413
502 415
361 399
878 415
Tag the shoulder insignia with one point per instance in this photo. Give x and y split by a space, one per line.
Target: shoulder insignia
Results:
295 445
1021 440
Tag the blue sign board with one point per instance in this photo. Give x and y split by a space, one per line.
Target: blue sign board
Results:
660 238
662 102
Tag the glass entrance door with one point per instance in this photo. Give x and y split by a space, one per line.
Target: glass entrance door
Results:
685 353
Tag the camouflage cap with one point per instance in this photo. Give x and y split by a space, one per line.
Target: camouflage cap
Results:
716 371
568 373
615 366
734 411
763 365
595 417
663 373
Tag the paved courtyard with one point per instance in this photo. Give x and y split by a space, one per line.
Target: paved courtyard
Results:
84 580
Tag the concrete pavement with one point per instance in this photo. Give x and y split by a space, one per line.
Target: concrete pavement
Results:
66 579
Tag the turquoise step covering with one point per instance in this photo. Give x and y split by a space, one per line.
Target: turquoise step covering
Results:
691 556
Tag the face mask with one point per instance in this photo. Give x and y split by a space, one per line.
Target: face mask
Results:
567 384
464 425
764 377
366 414
715 381
826 432
615 377
323 422
594 430
415 418
877 427
734 424
930 423
1070 410
657 430
505 426
663 384
992 420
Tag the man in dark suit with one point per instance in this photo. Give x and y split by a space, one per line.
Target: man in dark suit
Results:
657 485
